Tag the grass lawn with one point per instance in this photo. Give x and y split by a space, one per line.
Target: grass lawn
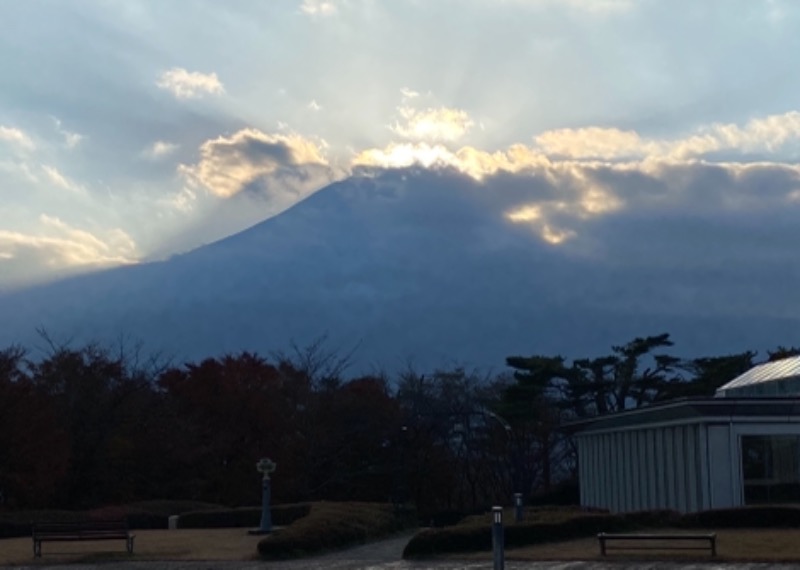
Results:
182 544
767 545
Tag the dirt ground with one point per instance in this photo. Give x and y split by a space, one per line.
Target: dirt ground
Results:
229 549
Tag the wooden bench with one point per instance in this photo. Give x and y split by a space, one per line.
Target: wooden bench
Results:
711 538
72 531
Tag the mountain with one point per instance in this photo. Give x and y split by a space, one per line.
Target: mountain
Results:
412 266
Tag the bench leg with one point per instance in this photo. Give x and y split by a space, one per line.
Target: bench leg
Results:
713 546
37 549
602 546
130 544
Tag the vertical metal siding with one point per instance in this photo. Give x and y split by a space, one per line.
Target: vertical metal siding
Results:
679 468
652 474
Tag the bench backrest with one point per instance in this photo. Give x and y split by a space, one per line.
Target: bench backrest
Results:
101 526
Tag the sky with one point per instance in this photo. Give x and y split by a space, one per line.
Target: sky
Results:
133 130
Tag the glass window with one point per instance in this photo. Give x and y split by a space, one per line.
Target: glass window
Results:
771 468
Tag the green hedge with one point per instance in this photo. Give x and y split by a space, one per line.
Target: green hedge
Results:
282 515
331 526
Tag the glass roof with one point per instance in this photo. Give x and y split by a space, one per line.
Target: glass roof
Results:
782 369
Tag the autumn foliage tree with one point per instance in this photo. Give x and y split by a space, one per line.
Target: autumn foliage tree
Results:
84 426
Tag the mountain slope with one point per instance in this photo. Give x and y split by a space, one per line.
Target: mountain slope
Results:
412 265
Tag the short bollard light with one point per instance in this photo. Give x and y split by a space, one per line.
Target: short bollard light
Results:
498 540
265 466
518 511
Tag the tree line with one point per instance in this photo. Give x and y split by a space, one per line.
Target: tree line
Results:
92 425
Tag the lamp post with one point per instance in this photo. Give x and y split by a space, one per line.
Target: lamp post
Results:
516 466
265 466
498 539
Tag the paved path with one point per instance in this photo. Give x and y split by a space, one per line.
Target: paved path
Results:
386 555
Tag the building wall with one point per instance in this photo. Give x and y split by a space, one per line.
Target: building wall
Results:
686 467
646 468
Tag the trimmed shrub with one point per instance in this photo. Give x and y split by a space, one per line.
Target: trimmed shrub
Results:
331 526
541 525
136 518
744 517
567 493
282 515
140 516
443 518
653 519
18 523
169 508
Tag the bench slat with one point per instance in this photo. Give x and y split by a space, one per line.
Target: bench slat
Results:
606 537
657 536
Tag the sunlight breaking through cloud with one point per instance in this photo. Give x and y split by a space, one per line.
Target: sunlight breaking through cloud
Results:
432 124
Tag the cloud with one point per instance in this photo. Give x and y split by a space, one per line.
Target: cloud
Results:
21 169
314 106
185 84
16 137
160 149
469 160
584 197
432 124
765 134
595 173
599 7
56 248
281 166
594 143
71 139
409 93
56 178
318 7
183 201
588 145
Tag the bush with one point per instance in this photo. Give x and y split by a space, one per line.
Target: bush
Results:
540 525
136 518
18 523
143 515
169 508
443 518
282 515
335 525
744 517
567 493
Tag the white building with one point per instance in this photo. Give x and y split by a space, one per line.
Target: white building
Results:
741 447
